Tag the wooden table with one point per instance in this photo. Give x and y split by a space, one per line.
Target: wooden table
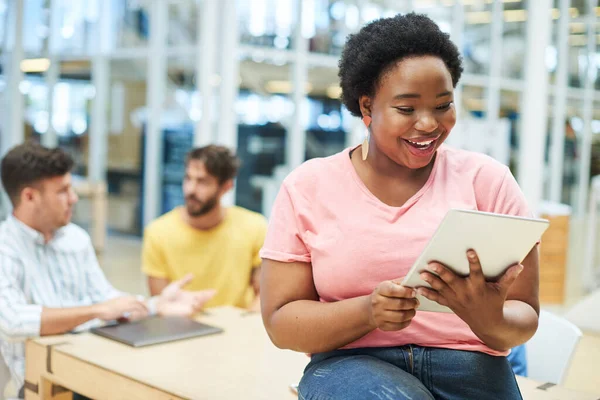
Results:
240 363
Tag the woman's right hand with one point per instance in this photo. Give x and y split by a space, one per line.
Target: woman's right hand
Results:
393 306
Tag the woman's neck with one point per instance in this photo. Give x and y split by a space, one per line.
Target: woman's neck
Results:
384 167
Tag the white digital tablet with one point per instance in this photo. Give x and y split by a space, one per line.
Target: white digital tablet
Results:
500 241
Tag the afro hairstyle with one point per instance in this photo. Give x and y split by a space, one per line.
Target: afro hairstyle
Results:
379 45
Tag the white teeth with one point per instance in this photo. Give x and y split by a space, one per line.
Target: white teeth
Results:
421 143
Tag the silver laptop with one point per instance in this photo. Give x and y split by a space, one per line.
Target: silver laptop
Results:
155 330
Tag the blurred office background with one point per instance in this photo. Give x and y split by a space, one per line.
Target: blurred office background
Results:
128 86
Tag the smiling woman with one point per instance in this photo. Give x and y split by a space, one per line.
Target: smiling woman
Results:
414 112
345 229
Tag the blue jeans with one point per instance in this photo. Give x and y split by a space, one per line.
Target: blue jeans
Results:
407 372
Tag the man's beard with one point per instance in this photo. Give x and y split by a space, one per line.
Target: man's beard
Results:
203 207
52 220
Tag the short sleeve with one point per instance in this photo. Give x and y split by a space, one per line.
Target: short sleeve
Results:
153 260
284 240
509 199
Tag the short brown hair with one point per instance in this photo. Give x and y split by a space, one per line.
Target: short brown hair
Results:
219 161
29 163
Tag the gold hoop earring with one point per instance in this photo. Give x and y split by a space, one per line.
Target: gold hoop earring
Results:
365 143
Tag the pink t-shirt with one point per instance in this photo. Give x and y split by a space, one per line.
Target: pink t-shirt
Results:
326 216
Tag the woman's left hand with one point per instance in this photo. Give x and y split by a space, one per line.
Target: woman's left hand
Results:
476 301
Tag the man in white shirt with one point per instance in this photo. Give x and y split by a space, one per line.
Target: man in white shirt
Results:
50 280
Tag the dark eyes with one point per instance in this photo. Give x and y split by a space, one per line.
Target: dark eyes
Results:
410 110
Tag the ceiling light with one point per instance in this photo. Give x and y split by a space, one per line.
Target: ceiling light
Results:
334 92
515 15
35 65
578 27
574 12
284 87
478 17
279 87
577 40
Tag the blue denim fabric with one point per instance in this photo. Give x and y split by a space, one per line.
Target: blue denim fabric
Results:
407 372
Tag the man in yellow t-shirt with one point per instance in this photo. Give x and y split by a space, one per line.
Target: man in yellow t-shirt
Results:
218 245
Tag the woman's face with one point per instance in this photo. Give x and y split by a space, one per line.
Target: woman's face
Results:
412 111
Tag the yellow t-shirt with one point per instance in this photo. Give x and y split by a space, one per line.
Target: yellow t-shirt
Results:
220 258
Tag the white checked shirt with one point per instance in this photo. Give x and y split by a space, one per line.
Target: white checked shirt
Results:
33 274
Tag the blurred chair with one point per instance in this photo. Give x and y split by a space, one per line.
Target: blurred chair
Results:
585 314
591 270
551 349
518 360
